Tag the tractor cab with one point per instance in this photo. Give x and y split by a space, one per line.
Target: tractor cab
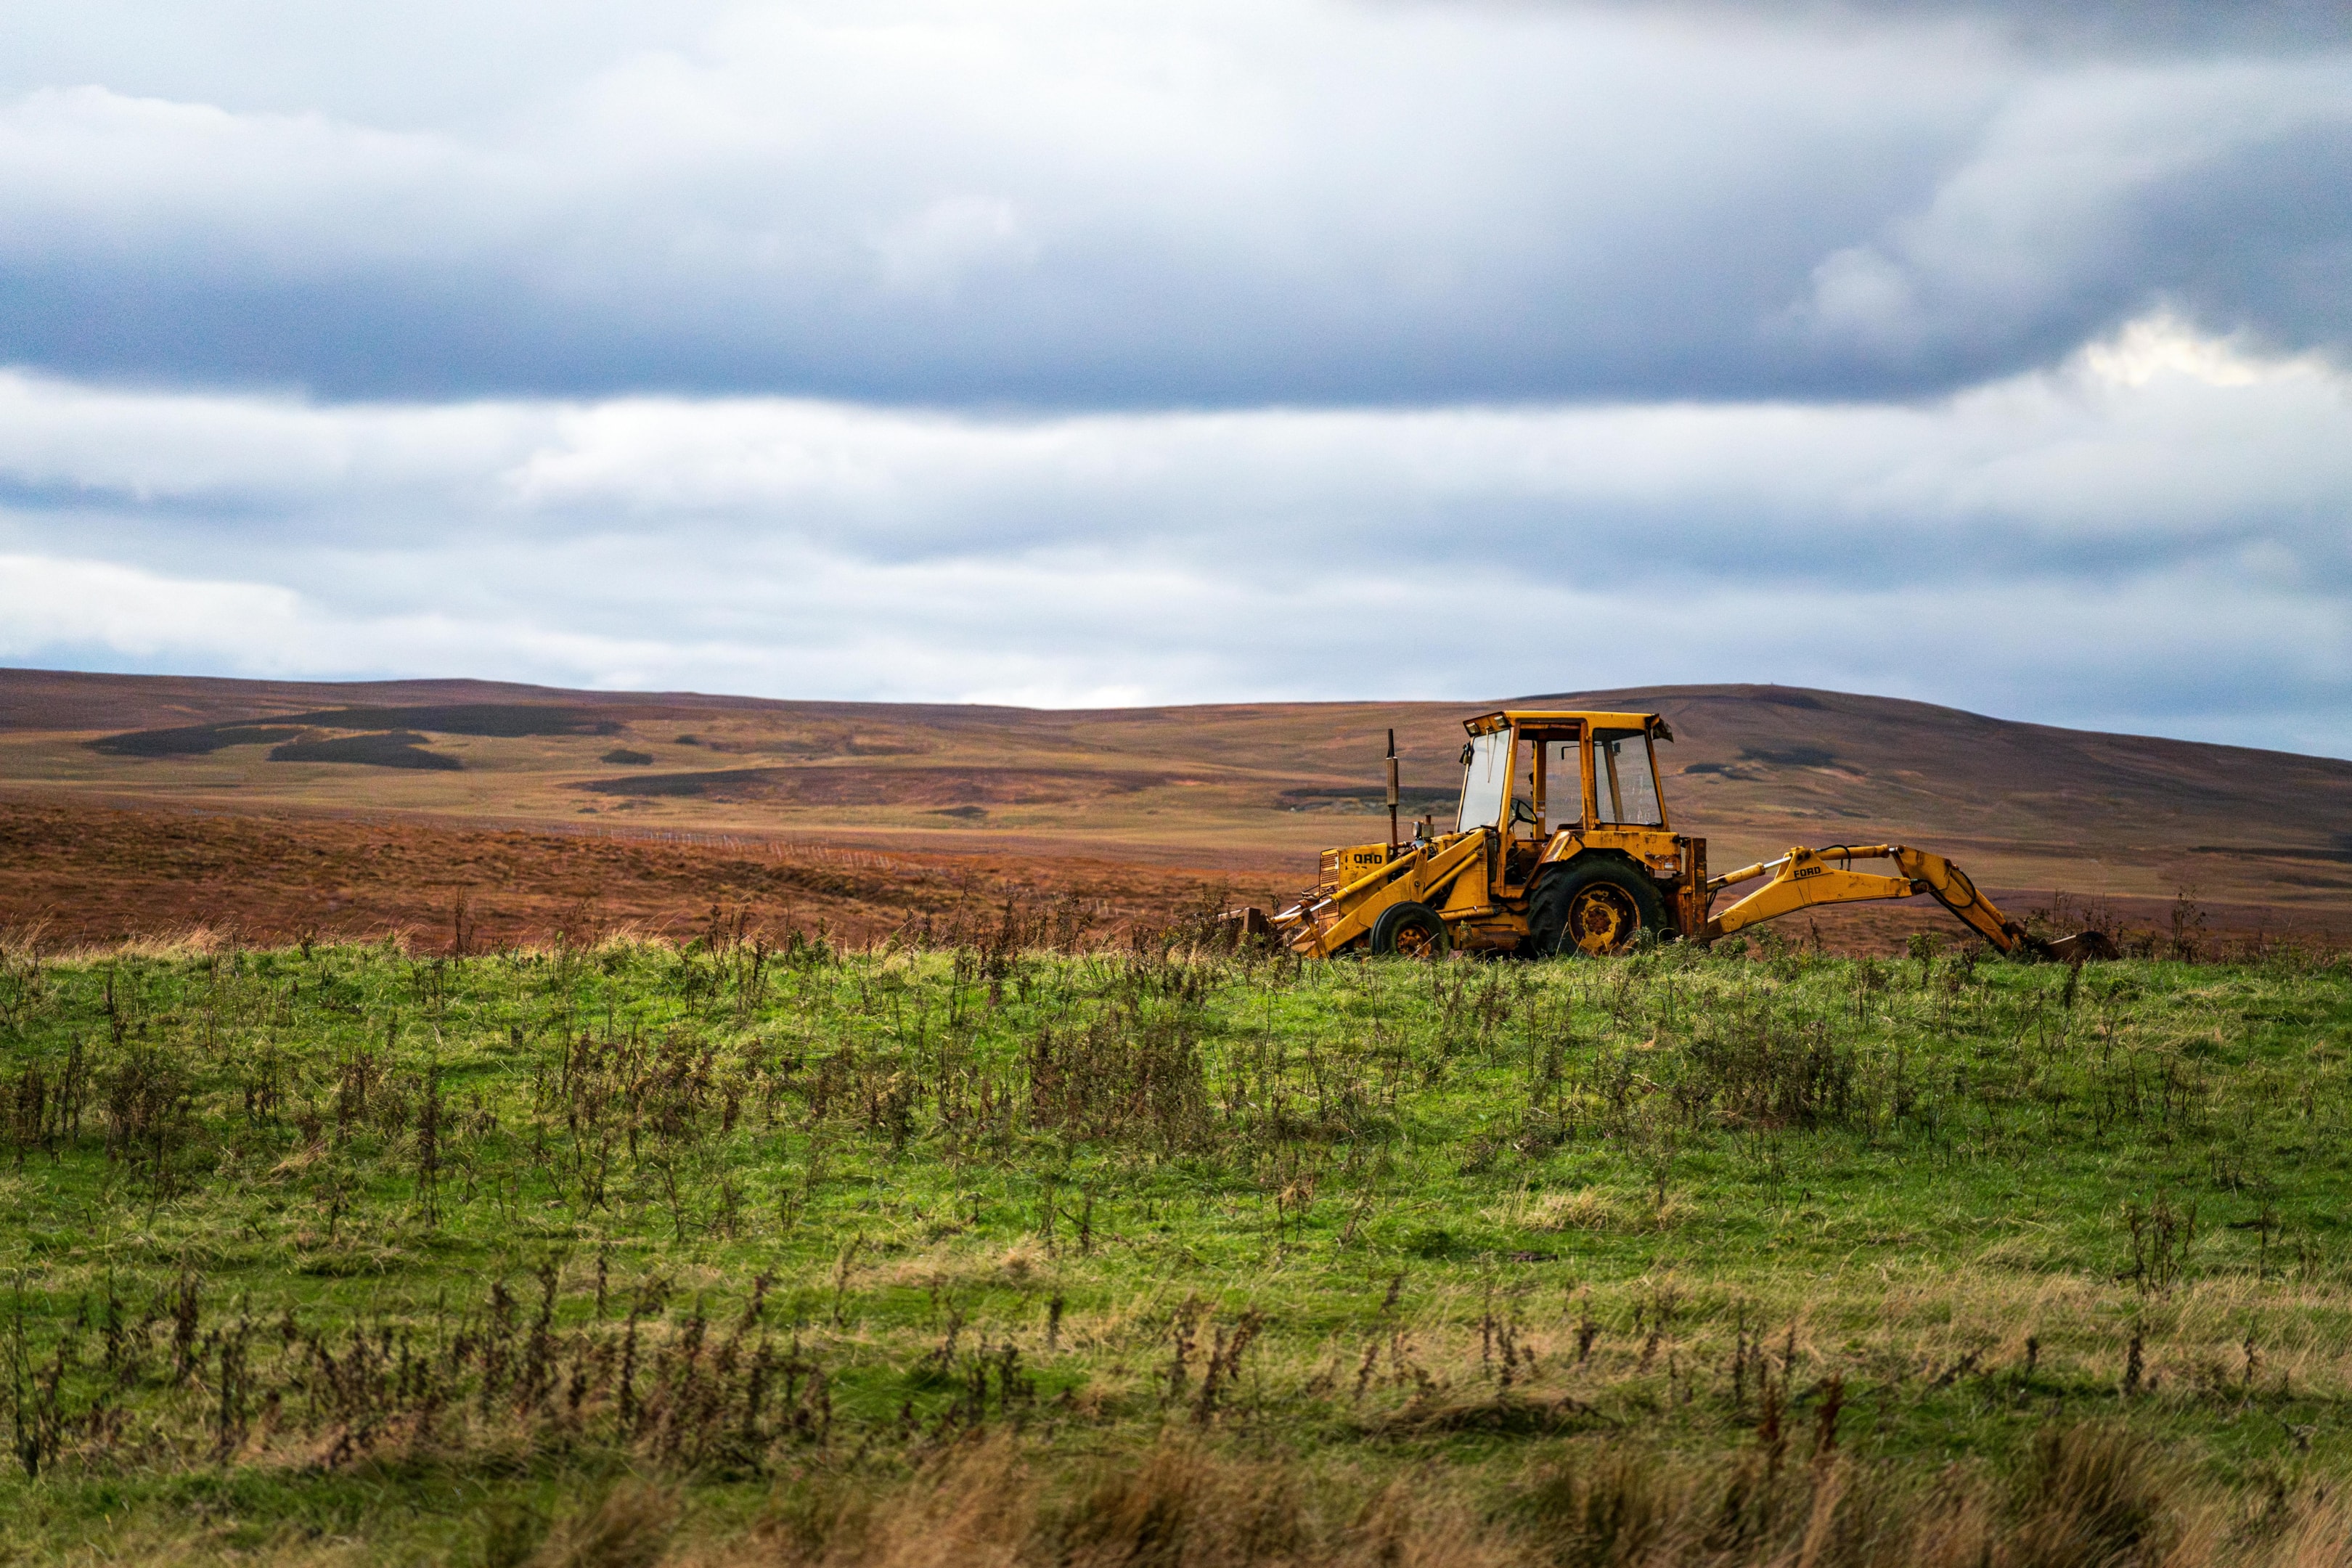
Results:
1529 774
1561 787
1561 837
1533 776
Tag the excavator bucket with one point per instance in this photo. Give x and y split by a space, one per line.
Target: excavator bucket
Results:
2082 947
1244 924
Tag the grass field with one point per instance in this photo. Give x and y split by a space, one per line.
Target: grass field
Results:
976 1249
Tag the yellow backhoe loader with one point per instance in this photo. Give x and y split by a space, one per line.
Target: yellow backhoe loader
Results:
1562 845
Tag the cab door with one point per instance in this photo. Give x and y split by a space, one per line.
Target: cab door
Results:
1562 792
1549 796
1522 821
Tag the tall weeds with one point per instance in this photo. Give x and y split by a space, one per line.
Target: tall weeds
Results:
1167 1252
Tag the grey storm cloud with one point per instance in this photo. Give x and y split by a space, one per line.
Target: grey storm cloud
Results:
1077 353
1069 206
2149 537
2068 26
2090 27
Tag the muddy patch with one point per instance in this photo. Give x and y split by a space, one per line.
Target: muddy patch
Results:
391 749
508 720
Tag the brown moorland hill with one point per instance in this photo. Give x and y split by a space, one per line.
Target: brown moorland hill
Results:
1239 792
74 875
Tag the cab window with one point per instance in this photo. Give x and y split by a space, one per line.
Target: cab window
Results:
1486 781
1563 783
1625 781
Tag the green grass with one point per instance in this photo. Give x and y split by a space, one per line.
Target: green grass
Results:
346 1250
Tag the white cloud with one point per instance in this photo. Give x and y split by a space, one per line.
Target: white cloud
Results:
2099 183
89 171
2163 344
1080 205
47 602
2152 535
929 252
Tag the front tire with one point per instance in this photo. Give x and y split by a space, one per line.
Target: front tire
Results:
1594 909
1411 931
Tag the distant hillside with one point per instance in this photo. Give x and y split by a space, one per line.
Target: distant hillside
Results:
1256 787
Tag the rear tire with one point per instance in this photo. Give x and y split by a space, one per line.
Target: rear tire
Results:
1594 909
1411 931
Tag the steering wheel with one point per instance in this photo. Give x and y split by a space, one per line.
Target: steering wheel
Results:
1523 810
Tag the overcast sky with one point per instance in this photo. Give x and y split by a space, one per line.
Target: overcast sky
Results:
1992 354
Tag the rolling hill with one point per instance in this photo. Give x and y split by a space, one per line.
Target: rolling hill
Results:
1244 791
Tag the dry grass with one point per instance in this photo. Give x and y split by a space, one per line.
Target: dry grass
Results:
629 1527
1592 1210
2095 1497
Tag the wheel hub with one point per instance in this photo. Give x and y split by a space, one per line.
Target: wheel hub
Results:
1601 918
1413 941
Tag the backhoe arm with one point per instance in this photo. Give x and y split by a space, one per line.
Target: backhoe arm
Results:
1805 877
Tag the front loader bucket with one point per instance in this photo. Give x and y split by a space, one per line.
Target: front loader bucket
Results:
1243 924
2082 947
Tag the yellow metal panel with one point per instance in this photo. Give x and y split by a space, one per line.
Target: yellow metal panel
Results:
1416 876
1502 717
1805 882
1342 866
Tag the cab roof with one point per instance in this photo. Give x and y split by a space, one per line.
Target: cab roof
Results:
1507 718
